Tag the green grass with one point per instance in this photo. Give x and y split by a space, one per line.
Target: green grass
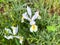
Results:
11 13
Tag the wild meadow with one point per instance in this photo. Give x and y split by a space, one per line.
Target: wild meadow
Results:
29 22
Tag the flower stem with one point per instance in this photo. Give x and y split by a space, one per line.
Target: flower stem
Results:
16 42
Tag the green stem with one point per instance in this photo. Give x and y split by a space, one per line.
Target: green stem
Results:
33 33
16 42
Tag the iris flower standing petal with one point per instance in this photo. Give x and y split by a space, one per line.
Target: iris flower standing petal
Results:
15 30
8 30
29 11
8 37
35 15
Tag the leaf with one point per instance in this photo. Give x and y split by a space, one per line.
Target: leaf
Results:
1 0
16 42
51 28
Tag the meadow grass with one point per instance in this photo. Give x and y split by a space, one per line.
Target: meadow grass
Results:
48 26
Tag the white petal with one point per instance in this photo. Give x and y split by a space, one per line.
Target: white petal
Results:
25 16
15 30
32 22
29 11
17 37
20 42
8 37
21 39
33 28
8 30
22 20
35 15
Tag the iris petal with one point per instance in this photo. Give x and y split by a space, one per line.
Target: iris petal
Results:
33 28
8 37
35 15
32 22
8 30
15 30
25 16
29 11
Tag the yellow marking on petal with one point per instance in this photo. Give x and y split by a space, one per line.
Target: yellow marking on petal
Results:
33 27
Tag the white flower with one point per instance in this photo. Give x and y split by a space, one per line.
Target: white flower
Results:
33 28
15 30
29 17
8 30
8 37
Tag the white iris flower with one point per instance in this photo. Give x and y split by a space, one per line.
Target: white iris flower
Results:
31 18
15 31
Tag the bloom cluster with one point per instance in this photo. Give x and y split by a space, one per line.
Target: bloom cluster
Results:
28 16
